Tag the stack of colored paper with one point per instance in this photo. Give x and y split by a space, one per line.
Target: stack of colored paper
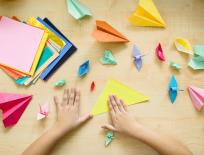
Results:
32 50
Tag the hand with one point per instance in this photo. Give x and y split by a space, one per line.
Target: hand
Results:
122 121
68 116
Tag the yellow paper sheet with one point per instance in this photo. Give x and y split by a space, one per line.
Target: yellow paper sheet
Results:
127 94
146 14
52 36
38 53
43 67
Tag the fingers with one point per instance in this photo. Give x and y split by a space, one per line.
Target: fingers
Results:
124 105
116 104
120 106
112 111
85 118
57 103
77 99
65 97
109 127
72 95
113 104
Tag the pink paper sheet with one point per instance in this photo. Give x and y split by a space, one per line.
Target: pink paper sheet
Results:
19 43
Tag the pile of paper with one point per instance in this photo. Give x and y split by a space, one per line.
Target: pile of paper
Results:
197 62
31 50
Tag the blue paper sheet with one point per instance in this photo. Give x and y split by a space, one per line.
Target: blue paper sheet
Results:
65 53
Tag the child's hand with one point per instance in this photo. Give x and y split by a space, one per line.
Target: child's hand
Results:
122 121
68 116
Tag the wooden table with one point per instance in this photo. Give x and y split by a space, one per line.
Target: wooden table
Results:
183 17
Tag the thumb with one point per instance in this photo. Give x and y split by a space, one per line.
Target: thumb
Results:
109 127
85 118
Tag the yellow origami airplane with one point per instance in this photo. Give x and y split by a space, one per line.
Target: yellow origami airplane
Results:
146 14
113 87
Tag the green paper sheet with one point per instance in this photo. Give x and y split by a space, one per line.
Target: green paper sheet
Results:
47 53
20 81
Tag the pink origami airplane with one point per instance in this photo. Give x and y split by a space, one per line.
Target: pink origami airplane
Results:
44 110
197 97
159 52
13 106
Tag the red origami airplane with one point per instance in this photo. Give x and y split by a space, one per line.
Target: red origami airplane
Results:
13 106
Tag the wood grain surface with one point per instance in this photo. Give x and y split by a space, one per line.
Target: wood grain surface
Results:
184 18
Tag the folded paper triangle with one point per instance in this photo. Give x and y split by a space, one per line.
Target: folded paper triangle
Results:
197 97
13 106
146 14
113 87
106 33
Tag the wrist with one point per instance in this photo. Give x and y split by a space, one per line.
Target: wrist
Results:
58 131
136 130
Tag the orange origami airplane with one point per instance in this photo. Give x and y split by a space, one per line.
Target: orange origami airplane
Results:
106 33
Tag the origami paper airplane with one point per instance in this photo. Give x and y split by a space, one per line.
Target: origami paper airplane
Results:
129 95
173 89
64 54
83 69
159 52
108 138
108 58
146 14
106 33
194 64
77 10
92 86
199 50
137 57
13 106
197 62
175 65
60 83
183 45
197 97
44 110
